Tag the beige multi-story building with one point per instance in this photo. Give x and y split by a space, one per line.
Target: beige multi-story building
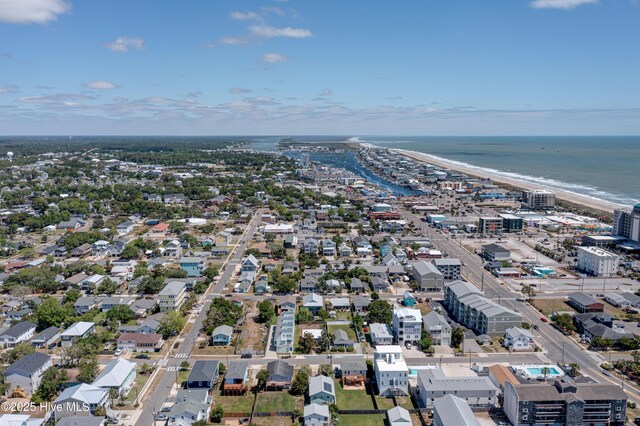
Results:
539 199
172 296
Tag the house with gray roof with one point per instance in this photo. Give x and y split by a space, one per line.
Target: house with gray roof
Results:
26 373
17 333
451 410
341 339
203 375
399 416
439 328
321 390
280 375
380 334
235 379
76 331
119 374
475 390
73 400
46 337
427 276
316 415
221 336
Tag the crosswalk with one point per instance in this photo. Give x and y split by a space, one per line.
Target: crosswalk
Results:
181 356
162 362
173 369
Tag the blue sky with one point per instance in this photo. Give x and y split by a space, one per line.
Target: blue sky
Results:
416 67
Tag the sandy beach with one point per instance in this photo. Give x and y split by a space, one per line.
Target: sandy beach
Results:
589 202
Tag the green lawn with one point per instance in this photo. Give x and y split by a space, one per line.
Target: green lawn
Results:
235 404
343 315
352 399
405 402
182 376
362 419
346 327
549 306
277 401
384 403
138 384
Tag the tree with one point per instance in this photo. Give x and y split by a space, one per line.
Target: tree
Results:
358 321
210 272
50 313
100 411
323 314
529 292
457 336
575 367
217 414
121 313
107 286
426 341
326 370
221 312
304 315
51 379
88 369
325 341
300 383
564 322
262 377
71 295
19 350
266 311
171 324
306 343
380 311
200 287
545 371
130 252
72 355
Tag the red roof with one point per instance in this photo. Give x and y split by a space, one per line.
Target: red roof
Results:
161 227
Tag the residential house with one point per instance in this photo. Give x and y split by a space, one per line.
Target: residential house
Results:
173 249
518 339
119 375
172 296
341 339
361 303
47 337
74 401
75 279
451 410
339 303
111 302
437 325
427 276
140 342
391 371
598 324
477 391
380 284
313 302
75 332
616 299
308 284
321 390
82 250
192 405
235 380
380 334
358 285
92 282
193 266
583 303
125 227
316 415
71 224
222 239
280 375
142 307
284 332
101 248
286 303
328 248
250 264
28 420
399 416
86 303
407 325
408 300
221 336
353 373
345 251
24 376
20 332
203 375
311 246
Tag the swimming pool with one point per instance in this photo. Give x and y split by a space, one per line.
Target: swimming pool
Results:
537 371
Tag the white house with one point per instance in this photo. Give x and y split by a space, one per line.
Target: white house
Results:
316 415
119 374
380 334
407 325
75 332
17 333
518 339
391 371
438 327
172 296
72 401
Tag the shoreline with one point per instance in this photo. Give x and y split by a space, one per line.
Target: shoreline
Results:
571 198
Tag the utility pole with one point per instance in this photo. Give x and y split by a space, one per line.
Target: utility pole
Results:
604 283
482 284
563 352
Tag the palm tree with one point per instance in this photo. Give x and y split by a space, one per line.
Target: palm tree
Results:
545 371
575 367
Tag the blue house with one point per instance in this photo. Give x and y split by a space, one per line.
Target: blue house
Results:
193 266
221 336
235 380
385 249
408 299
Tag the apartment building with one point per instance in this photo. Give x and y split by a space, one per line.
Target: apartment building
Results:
450 268
172 296
597 261
476 391
539 199
407 325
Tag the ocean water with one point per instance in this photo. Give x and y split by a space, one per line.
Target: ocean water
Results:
603 167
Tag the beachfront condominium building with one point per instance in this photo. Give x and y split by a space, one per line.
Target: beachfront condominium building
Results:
564 403
538 199
466 303
490 225
474 390
391 371
597 261
626 223
407 325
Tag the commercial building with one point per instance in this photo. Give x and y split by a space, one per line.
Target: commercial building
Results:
539 199
511 223
597 261
474 390
490 225
626 223
583 302
391 371
495 253
564 403
407 325
469 306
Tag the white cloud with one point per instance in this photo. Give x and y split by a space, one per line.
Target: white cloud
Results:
272 58
325 92
100 85
32 11
244 16
9 88
124 44
233 40
267 31
560 4
238 90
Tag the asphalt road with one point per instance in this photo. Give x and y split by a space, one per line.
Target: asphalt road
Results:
166 379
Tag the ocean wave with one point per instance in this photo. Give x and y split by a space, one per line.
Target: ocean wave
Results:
573 188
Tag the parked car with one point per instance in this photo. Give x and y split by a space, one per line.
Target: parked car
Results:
142 356
119 352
